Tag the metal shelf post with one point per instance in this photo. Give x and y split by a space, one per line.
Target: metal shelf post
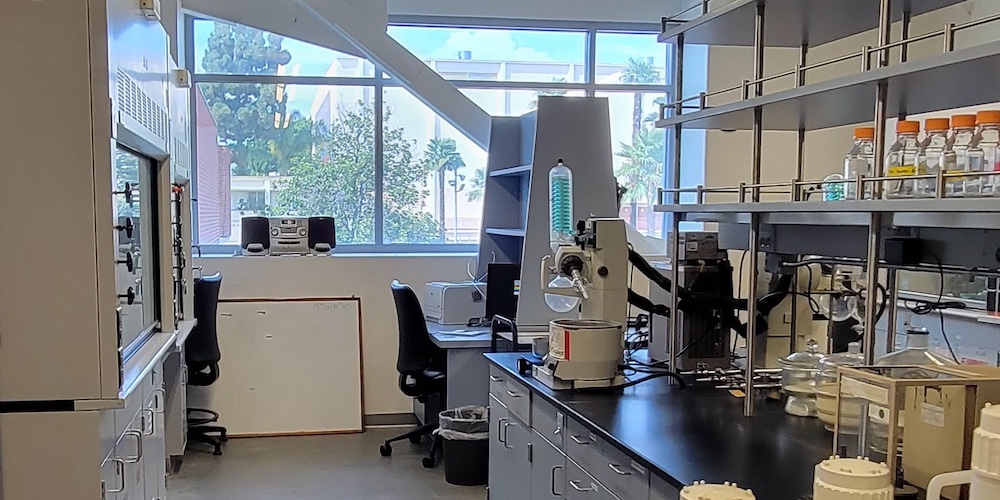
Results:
675 219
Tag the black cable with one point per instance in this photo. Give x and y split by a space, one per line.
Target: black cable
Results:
739 293
925 307
659 374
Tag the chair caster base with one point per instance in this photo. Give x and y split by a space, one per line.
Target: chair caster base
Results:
428 462
385 450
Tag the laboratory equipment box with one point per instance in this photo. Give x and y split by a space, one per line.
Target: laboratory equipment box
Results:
917 419
454 303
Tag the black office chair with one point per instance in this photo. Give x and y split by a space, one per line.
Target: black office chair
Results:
421 367
202 354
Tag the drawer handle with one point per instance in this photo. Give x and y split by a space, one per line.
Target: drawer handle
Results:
151 415
576 486
619 471
119 475
500 437
495 378
513 394
554 493
138 447
578 440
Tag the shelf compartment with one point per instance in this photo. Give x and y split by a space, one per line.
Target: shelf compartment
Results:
790 23
518 170
516 233
914 87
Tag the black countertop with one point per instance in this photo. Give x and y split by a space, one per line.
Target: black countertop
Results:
693 434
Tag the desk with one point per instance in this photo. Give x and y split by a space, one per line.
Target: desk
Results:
468 370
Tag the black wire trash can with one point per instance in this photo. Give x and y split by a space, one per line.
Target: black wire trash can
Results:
465 433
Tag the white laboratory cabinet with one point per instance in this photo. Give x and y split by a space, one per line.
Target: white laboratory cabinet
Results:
86 302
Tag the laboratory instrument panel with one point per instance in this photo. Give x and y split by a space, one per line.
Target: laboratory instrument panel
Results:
288 235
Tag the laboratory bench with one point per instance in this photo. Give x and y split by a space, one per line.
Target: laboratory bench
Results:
647 441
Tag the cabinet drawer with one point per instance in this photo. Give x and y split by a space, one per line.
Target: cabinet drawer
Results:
625 477
583 446
548 421
517 397
498 382
580 485
660 489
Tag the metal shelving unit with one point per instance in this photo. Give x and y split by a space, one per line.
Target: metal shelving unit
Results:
966 232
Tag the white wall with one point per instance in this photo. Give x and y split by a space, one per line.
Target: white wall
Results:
632 11
365 276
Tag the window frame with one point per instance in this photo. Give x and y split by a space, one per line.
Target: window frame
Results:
382 80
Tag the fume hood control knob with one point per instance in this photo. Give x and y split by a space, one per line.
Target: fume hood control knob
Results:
128 227
274 231
127 193
129 296
129 262
302 231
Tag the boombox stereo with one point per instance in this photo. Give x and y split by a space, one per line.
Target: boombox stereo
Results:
288 235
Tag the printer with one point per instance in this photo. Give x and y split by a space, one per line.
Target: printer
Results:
448 303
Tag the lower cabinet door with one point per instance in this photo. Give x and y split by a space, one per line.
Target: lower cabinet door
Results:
519 451
548 469
154 459
498 481
660 489
580 485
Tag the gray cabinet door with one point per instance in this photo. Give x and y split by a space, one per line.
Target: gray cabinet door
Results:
548 469
519 451
660 489
498 485
580 485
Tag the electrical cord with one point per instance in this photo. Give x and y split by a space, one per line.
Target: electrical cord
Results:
739 293
631 383
925 307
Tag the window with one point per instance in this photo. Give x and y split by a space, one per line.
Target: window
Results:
433 176
630 59
640 153
284 127
285 149
498 55
135 249
222 48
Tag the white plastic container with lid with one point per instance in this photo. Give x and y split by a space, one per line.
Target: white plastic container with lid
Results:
852 479
985 474
725 491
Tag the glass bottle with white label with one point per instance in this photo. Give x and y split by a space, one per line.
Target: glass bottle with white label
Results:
931 155
956 156
903 160
985 148
859 160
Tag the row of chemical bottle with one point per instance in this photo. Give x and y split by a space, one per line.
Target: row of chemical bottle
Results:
964 143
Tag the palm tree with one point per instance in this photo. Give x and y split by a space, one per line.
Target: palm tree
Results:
442 156
558 93
639 71
642 170
478 181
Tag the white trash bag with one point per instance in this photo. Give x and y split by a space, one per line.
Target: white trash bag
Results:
468 423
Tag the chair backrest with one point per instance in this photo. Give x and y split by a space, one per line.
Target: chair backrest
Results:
415 346
202 347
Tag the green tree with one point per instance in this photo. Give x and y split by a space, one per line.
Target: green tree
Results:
555 93
639 71
338 178
477 185
441 157
246 112
642 170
